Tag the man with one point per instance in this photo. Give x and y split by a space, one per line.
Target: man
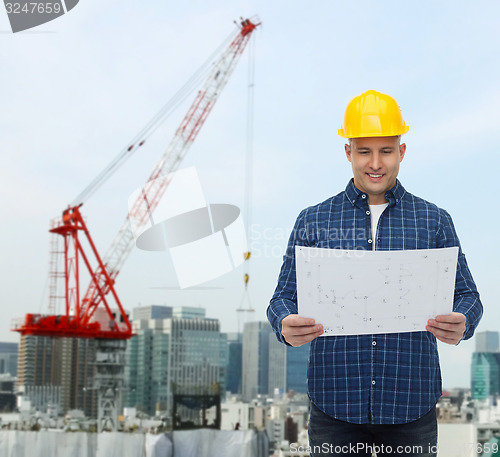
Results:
374 392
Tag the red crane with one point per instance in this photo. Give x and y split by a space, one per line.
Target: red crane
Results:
90 315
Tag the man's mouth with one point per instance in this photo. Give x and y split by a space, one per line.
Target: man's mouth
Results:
375 177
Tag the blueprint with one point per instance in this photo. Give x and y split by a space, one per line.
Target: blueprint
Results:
364 292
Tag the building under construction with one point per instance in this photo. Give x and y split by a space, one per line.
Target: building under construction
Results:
58 372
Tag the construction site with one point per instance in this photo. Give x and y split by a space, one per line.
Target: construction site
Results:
71 366
155 160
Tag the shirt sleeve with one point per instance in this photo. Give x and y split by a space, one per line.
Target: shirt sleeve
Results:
284 299
466 298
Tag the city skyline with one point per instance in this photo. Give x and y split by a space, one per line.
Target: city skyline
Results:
183 346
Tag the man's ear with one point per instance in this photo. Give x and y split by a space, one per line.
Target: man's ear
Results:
402 150
347 148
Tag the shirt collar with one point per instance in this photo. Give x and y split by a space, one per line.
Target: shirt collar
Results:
393 196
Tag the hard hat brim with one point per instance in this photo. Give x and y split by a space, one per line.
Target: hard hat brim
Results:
343 134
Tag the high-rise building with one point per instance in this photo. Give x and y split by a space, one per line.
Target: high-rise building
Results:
234 362
188 312
8 358
297 359
487 341
485 366
40 361
77 375
277 365
485 374
59 369
151 312
255 364
7 396
287 366
185 351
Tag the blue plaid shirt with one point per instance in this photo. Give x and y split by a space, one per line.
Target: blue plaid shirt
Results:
385 378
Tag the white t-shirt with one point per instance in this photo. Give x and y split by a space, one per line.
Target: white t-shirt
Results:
375 212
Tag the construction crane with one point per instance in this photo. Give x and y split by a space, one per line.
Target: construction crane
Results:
81 319
98 312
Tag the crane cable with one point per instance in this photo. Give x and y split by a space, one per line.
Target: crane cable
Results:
249 173
187 89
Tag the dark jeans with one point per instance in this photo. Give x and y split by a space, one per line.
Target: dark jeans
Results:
329 437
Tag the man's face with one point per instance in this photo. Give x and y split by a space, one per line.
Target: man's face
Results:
375 164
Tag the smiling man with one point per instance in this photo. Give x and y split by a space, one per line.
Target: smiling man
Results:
375 164
374 392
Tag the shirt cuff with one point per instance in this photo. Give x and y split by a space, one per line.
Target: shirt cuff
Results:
276 312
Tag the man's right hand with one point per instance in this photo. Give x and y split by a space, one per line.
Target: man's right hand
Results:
299 330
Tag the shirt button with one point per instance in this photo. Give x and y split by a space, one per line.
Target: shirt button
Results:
374 343
373 382
368 213
363 196
370 241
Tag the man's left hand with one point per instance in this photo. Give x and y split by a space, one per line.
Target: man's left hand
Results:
448 328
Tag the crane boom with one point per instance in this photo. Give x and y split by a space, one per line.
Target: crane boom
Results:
153 190
82 323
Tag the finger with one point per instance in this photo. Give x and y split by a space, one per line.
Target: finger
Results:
304 330
436 331
299 340
295 320
452 341
441 325
458 328
450 337
451 318
309 330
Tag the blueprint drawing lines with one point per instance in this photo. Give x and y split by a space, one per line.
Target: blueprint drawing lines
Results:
364 292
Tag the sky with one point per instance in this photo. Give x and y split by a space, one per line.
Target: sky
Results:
74 92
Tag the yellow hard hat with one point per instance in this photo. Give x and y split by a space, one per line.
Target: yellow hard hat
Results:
372 114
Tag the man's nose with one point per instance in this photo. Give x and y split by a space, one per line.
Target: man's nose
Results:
375 162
